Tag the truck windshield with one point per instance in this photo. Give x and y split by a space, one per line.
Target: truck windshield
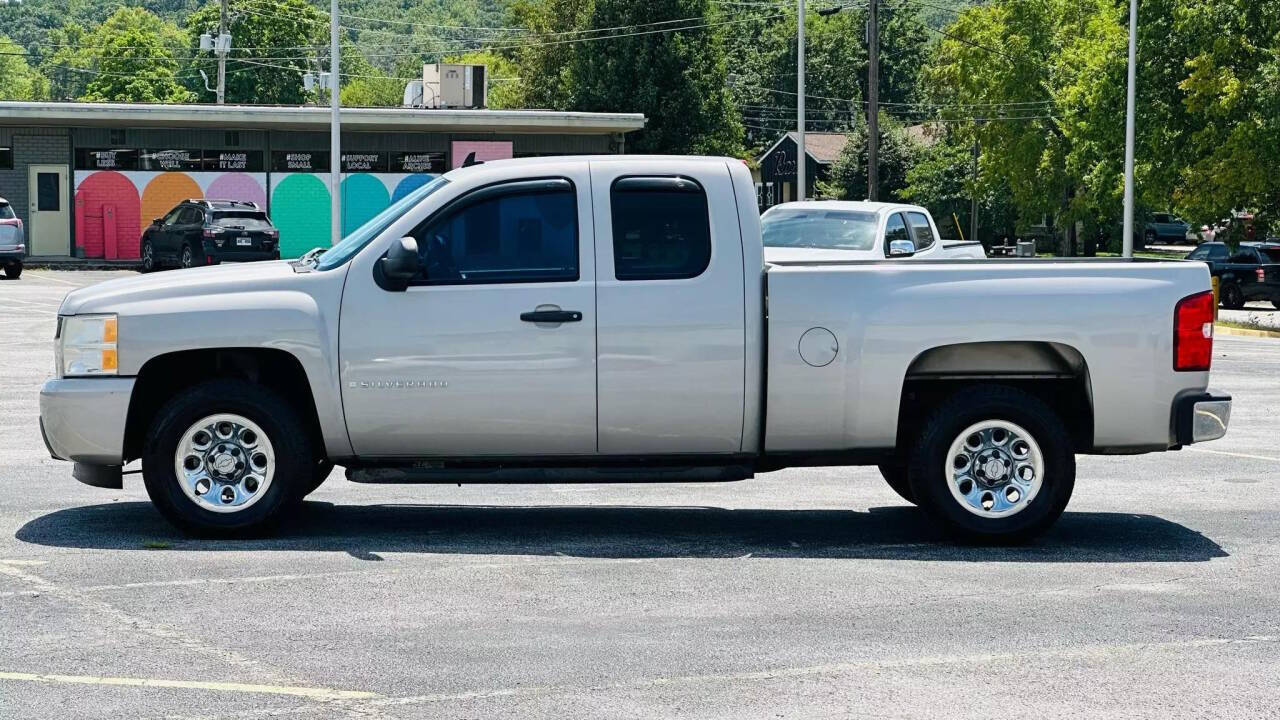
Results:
363 235
828 229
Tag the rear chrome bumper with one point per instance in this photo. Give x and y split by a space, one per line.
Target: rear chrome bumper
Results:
1202 417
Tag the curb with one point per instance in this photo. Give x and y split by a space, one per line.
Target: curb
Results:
1245 332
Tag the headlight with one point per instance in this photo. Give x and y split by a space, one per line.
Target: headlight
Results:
87 345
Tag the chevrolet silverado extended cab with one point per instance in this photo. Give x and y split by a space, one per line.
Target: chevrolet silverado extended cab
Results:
848 230
613 319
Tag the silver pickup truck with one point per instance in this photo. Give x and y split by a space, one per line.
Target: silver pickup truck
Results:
614 319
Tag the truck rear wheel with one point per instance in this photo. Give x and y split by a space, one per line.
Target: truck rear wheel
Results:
895 475
994 464
226 458
1232 297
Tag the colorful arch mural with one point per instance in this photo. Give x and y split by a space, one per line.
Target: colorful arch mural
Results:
300 209
114 189
237 186
299 202
363 196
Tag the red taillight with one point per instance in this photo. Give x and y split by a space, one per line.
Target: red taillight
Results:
1193 332
12 221
1262 274
212 232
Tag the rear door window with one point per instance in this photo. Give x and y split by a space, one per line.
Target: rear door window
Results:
6 211
661 228
921 230
1218 252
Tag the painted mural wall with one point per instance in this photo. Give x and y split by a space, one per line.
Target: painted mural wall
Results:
118 192
113 207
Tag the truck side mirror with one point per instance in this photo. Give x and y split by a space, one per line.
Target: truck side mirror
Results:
901 248
400 265
157 221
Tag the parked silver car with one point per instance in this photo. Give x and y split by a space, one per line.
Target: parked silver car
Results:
13 241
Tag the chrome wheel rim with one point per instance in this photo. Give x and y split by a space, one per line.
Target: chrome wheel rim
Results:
224 463
994 469
186 257
147 255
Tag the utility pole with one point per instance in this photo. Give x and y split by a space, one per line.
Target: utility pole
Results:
1127 245
801 176
873 100
222 53
973 208
335 130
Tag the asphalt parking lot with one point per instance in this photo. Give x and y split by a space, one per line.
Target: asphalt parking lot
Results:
800 594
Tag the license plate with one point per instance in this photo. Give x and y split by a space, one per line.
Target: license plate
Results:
244 241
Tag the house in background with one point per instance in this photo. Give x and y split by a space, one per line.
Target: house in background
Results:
776 171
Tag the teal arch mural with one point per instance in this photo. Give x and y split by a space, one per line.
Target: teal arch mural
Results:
363 196
300 208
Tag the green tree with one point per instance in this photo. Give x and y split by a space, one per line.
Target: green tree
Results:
677 79
544 58
942 180
270 50
848 177
18 80
132 56
762 55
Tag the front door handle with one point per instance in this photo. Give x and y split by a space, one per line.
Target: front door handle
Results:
551 316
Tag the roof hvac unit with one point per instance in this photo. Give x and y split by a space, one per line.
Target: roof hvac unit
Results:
454 86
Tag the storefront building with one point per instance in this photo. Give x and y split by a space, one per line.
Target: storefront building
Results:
87 178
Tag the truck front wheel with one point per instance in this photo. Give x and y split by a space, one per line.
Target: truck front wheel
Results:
226 458
993 463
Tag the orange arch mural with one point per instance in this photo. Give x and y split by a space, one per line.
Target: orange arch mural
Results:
164 191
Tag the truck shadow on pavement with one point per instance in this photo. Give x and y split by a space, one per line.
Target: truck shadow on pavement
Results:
632 532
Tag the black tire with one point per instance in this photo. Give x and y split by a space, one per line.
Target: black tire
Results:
1232 298
929 465
895 474
278 421
13 271
1275 304
1150 237
188 258
147 257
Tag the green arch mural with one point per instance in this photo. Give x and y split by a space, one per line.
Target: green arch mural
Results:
300 208
363 196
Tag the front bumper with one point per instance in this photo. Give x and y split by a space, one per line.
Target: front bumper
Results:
1201 417
83 419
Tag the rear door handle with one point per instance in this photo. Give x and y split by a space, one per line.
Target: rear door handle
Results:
551 316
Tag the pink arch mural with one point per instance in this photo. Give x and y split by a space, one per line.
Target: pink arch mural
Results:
108 188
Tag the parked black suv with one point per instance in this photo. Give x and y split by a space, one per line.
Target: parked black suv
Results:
207 232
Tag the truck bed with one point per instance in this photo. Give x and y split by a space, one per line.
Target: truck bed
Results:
884 316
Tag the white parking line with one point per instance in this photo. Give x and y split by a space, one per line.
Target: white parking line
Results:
42 276
1233 454
313 693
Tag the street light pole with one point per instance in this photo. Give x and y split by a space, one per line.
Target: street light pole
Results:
873 101
1130 110
801 177
335 130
